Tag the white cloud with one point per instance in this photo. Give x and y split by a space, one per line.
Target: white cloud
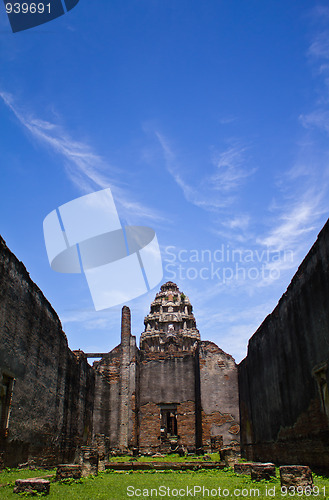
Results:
212 192
231 328
231 169
318 118
291 227
87 170
319 47
238 222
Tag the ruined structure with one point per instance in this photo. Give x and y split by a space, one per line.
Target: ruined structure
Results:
283 381
174 392
46 390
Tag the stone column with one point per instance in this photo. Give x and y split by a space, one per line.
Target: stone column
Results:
124 379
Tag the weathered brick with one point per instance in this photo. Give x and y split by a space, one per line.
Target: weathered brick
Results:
89 461
262 471
243 467
32 486
68 471
283 381
296 476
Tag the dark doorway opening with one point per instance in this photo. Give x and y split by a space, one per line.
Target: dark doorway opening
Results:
6 391
168 422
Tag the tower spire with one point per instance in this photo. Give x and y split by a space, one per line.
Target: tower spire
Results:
170 321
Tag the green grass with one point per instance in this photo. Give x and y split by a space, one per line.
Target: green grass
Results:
173 457
9 475
114 486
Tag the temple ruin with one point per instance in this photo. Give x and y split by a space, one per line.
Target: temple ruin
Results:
173 393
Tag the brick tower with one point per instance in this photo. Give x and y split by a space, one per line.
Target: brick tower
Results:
171 324
169 412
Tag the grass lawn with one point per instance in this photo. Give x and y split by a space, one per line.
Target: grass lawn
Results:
172 457
147 485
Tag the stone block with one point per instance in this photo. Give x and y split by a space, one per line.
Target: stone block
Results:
125 466
89 461
68 471
296 476
262 471
229 456
32 486
243 467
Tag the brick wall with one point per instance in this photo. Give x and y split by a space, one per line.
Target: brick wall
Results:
283 381
149 429
115 403
219 396
167 378
51 408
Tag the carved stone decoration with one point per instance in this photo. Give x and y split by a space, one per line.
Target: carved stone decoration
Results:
170 317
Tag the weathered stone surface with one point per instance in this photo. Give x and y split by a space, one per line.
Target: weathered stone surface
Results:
32 486
175 393
124 466
115 411
52 393
30 464
243 467
67 471
296 476
262 471
89 461
219 397
284 379
168 355
100 443
230 456
196 377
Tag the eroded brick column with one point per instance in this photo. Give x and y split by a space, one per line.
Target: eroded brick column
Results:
124 378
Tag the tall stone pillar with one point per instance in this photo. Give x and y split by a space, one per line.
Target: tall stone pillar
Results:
124 379
125 326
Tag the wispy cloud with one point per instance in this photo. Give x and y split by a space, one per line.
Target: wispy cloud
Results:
214 191
231 169
319 48
301 201
292 226
231 327
225 120
238 222
87 170
191 194
318 118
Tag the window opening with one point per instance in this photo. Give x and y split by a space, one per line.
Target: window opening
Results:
6 391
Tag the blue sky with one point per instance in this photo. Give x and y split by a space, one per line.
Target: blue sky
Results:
209 121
